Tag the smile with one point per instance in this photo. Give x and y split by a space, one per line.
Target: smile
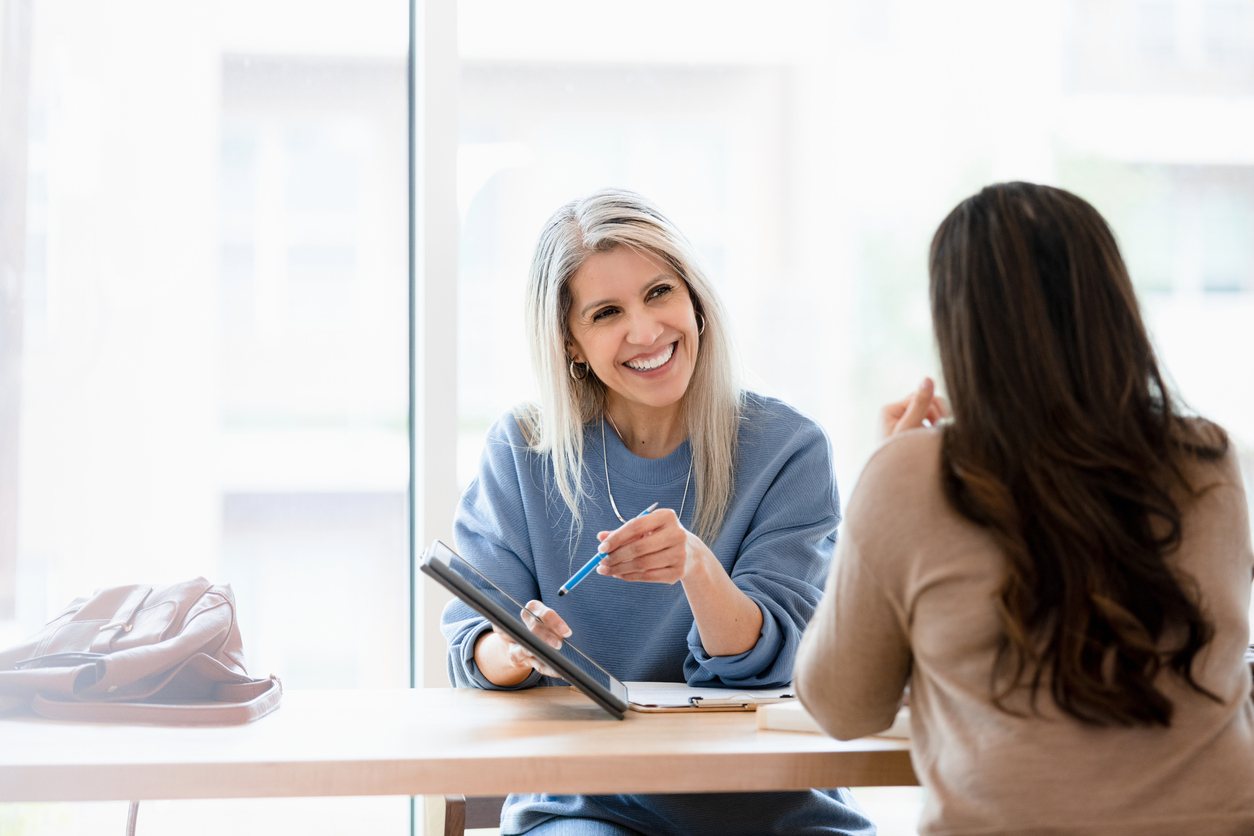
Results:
648 364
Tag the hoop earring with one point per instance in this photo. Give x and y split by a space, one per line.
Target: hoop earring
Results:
583 370
700 322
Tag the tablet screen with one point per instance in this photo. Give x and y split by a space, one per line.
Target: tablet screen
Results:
460 577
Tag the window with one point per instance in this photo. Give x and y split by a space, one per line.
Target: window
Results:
207 345
810 155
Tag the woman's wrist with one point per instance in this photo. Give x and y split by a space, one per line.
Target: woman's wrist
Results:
700 564
728 620
494 661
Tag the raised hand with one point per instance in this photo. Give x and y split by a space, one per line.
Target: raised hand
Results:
921 408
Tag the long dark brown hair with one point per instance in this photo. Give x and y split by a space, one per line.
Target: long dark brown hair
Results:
1068 447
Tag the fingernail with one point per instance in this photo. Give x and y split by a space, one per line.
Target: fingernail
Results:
566 632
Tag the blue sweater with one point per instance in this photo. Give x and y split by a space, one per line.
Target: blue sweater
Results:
776 541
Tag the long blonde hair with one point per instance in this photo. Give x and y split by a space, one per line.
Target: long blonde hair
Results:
712 404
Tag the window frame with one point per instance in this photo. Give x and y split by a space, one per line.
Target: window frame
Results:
433 241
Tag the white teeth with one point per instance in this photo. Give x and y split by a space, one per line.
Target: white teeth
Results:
650 365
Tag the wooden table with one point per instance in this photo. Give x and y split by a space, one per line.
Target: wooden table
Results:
433 741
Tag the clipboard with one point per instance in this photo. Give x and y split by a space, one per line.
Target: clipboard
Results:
654 697
456 574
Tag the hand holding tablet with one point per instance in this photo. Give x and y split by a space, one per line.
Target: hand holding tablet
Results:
506 614
547 626
537 637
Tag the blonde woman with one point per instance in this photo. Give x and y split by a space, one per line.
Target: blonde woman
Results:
639 404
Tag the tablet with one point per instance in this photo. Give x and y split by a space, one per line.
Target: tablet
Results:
458 576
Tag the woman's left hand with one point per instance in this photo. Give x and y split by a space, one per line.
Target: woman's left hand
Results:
654 548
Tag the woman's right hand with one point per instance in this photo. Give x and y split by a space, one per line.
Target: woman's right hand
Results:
921 408
506 662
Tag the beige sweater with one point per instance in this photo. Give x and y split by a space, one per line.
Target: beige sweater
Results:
910 601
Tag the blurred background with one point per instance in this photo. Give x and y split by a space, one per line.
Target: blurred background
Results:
205 284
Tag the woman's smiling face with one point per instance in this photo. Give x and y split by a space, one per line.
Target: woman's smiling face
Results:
632 320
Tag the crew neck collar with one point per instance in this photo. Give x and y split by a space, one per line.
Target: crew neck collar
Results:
625 464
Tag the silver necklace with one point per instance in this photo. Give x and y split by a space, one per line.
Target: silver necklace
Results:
606 463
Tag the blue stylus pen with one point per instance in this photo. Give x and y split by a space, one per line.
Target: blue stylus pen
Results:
586 569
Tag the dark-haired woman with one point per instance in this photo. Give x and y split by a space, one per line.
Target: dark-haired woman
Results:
1062 573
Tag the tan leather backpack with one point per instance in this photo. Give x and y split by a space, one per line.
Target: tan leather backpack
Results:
139 654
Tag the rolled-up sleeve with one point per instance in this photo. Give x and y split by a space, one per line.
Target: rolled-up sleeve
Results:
781 565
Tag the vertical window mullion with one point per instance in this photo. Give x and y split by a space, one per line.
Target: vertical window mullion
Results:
433 306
